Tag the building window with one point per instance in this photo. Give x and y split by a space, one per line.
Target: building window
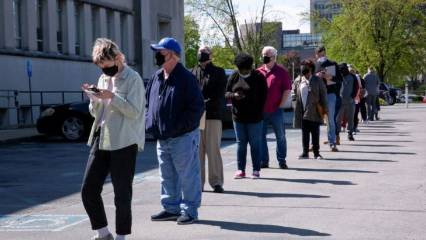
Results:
95 25
77 16
124 33
17 23
59 29
110 26
40 6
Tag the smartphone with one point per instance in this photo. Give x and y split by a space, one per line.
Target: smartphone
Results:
94 89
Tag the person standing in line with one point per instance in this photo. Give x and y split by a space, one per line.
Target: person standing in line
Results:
348 93
212 81
175 105
311 97
279 88
357 99
247 90
328 67
372 86
118 105
363 104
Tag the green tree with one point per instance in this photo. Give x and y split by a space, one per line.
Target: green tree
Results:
223 57
249 36
192 41
387 34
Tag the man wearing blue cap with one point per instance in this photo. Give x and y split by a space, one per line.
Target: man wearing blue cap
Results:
175 105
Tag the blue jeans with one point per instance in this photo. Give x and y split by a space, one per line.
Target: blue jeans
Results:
336 111
331 122
180 173
248 133
276 119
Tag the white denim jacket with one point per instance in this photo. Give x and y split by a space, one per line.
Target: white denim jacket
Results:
124 123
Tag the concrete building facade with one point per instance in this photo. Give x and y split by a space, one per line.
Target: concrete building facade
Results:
55 39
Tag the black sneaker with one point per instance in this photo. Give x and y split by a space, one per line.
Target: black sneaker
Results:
264 165
165 216
351 137
218 189
304 156
185 219
283 166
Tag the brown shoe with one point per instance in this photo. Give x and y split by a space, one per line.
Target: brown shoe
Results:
334 149
337 140
325 142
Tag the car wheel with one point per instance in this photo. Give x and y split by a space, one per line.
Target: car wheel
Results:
72 128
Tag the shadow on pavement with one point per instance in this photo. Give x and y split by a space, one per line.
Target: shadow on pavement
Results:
357 160
372 145
371 152
331 170
263 228
311 181
381 140
274 195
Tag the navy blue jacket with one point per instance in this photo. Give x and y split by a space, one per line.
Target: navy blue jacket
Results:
174 106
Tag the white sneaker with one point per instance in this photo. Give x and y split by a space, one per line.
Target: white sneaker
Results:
107 237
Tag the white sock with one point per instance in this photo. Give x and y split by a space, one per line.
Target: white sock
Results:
103 232
120 237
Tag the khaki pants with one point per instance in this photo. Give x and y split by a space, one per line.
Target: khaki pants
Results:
210 140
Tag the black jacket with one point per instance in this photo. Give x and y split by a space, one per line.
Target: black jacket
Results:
250 108
212 81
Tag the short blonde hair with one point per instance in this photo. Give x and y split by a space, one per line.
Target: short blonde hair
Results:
105 49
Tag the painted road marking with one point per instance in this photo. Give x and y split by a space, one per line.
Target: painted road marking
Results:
46 223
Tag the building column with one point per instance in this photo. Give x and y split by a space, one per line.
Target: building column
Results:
127 42
29 25
50 27
116 28
7 34
146 54
87 38
69 27
102 21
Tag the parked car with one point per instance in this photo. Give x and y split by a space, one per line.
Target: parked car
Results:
411 98
73 120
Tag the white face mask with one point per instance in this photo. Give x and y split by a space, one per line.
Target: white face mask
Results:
245 76
322 59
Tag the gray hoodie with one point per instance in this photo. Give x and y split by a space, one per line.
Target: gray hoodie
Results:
371 83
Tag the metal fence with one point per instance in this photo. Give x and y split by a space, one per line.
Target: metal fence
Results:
22 108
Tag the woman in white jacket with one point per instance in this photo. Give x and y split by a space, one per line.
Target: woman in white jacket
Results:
118 105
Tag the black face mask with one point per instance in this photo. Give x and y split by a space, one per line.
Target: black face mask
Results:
110 71
266 59
160 59
203 57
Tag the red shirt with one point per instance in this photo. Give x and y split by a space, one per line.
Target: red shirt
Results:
277 81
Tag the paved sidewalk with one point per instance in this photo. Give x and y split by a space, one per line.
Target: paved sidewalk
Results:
13 135
374 188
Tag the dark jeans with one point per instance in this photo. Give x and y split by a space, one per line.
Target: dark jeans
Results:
363 109
338 106
248 133
310 128
121 165
371 106
356 119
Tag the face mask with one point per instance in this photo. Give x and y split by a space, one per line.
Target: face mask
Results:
160 59
266 59
322 59
110 71
203 57
245 76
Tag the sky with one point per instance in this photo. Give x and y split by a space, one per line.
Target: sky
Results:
286 11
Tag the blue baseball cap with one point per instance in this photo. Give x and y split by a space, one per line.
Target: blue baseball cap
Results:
167 43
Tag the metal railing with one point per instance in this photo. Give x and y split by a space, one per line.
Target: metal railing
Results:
26 100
